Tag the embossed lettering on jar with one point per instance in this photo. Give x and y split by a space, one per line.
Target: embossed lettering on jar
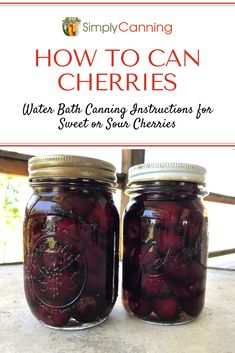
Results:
71 232
165 243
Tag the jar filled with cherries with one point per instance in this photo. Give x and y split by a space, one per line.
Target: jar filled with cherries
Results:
71 232
165 243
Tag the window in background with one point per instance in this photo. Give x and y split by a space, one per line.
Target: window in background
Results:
14 193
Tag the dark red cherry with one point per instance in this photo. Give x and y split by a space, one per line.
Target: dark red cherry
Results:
79 204
143 255
194 306
96 282
79 261
100 215
132 230
177 268
85 232
86 310
77 235
195 288
155 266
127 250
95 258
167 308
66 230
181 290
188 290
155 285
198 271
169 212
169 241
53 316
37 291
140 306
60 287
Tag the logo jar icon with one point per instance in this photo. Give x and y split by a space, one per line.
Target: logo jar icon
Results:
71 26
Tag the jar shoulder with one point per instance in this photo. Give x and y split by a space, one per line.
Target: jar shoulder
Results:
71 203
150 207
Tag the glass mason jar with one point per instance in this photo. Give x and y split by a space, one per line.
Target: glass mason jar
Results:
71 232
165 243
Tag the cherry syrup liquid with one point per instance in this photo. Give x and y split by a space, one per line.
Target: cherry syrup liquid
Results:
71 256
164 260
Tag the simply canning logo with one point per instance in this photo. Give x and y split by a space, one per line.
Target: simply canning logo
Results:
73 25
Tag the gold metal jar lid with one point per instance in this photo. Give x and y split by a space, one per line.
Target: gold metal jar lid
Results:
70 166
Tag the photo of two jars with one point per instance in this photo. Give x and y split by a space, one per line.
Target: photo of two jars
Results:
83 217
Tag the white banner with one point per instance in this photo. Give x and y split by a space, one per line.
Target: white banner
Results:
118 75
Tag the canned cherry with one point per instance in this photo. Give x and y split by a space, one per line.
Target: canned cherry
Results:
71 232
165 243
